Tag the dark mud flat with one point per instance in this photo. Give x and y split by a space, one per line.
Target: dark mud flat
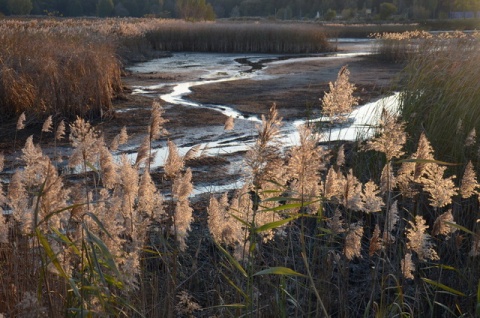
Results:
298 86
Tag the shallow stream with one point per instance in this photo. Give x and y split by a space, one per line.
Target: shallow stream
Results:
207 68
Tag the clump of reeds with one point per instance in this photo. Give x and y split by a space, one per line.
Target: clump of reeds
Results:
72 67
397 47
239 37
301 223
401 46
363 30
441 94
50 74
307 234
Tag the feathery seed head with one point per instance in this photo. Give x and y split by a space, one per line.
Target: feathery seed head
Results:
21 121
442 224
407 266
353 241
471 138
174 162
47 125
60 133
229 123
371 201
469 184
441 190
419 240
157 121
337 104
391 139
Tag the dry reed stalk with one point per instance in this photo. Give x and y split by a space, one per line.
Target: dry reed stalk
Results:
45 75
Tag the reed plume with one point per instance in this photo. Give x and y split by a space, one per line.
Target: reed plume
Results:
443 224
419 240
353 241
21 121
223 228
469 185
174 163
47 124
181 190
441 189
263 158
229 123
338 102
372 202
305 163
407 266
391 137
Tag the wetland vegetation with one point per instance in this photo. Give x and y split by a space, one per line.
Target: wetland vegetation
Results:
376 228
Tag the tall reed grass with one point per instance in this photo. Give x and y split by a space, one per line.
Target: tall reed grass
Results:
402 46
70 67
54 74
441 94
310 233
240 37
307 235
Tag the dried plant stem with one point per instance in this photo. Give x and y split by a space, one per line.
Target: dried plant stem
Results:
312 283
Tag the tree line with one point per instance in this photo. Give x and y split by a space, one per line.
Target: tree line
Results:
211 9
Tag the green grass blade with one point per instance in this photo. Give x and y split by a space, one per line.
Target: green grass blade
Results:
99 223
478 299
50 253
278 271
238 289
107 256
442 286
232 260
281 199
443 163
228 306
49 215
53 258
248 225
67 242
460 227
275 224
289 206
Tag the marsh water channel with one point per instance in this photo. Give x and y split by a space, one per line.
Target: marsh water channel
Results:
204 69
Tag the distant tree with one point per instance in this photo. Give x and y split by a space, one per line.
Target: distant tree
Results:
348 13
20 7
120 11
195 10
4 6
330 15
235 13
74 8
251 8
387 9
420 12
89 7
105 8
285 13
132 7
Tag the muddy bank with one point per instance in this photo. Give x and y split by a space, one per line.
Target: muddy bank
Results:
298 86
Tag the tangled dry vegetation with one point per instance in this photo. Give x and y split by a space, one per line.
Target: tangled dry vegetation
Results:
402 46
72 67
310 233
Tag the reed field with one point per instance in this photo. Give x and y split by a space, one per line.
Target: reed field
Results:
380 228
440 91
70 67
